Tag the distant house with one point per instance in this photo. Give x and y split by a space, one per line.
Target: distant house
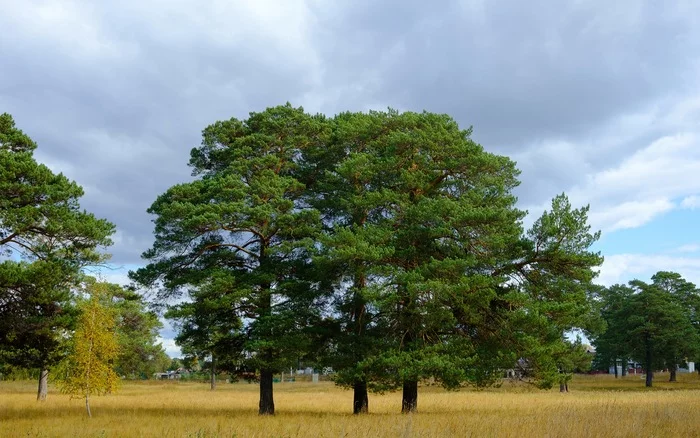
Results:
522 369
689 369
632 368
638 368
307 370
169 375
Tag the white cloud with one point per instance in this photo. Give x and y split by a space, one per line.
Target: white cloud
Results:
115 277
691 202
630 214
645 184
670 165
170 348
621 268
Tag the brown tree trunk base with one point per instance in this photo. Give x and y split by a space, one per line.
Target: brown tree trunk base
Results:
213 373
267 404
360 400
43 390
409 401
648 365
649 378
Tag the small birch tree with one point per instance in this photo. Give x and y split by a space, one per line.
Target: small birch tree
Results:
95 347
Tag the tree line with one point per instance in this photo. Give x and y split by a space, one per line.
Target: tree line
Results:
46 241
385 245
656 324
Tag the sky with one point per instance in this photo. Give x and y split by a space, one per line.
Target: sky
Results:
597 99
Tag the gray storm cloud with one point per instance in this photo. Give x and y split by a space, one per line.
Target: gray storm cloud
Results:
116 94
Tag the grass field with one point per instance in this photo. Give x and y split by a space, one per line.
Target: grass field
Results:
596 406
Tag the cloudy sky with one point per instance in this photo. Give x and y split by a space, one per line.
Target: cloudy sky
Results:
597 99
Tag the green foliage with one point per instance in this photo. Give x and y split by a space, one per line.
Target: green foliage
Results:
175 364
240 231
387 245
207 328
137 328
346 187
36 313
654 324
551 287
39 211
433 277
658 328
40 222
447 218
611 345
687 295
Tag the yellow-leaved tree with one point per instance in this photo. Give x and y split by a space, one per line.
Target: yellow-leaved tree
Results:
88 368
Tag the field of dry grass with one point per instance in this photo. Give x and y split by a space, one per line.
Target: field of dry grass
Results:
596 406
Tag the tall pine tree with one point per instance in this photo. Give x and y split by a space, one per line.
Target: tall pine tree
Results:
42 224
244 220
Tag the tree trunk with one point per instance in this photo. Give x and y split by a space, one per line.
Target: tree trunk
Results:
563 387
615 368
267 404
648 365
409 402
673 370
213 372
624 367
87 406
43 385
360 400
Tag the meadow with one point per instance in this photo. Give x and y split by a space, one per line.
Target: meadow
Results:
600 406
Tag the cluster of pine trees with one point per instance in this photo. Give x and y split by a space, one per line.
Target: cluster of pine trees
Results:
46 241
385 245
656 324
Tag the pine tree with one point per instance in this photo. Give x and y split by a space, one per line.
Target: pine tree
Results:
610 344
40 222
243 222
656 328
688 297
421 215
551 280
347 187
208 326
137 333
434 278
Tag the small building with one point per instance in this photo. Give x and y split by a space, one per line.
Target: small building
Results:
690 368
168 375
632 368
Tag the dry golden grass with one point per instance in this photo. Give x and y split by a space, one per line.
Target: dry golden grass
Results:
596 406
